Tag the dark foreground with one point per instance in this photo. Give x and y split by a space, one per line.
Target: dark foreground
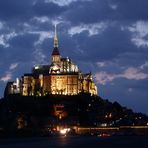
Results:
77 141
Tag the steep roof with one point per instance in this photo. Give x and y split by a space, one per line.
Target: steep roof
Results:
55 51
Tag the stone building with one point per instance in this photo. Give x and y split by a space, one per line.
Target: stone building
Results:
61 77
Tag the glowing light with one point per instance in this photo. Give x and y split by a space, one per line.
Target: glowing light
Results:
104 124
36 67
64 131
104 135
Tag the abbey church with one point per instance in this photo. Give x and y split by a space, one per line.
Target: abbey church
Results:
62 77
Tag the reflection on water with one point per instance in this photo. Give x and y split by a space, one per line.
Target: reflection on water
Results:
77 141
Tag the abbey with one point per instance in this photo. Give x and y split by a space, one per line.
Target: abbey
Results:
61 77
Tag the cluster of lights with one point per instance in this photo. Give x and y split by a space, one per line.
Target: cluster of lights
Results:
64 131
108 115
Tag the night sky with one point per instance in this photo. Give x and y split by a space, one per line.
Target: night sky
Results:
107 37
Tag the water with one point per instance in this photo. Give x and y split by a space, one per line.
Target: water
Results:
77 142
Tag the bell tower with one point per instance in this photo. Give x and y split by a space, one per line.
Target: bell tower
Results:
56 57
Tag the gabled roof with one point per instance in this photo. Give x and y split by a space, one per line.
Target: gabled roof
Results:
55 51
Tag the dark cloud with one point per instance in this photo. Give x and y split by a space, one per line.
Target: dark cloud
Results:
15 9
48 9
24 41
105 46
96 10
133 58
89 12
20 48
132 9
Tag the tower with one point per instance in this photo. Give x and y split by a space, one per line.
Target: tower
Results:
56 57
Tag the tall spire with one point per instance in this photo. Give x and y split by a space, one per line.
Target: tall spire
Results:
55 37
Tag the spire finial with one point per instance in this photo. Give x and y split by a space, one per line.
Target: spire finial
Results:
55 37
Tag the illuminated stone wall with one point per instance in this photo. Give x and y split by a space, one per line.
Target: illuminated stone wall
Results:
58 84
27 85
61 77
46 84
70 84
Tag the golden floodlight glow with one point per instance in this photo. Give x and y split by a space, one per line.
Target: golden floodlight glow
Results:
64 131
61 76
